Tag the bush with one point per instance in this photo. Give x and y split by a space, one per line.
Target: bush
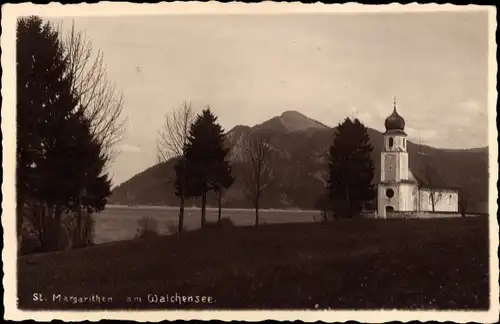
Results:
29 244
88 228
148 227
73 239
173 227
39 230
340 209
225 222
39 227
324 205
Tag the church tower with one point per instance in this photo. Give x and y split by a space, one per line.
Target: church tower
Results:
396 187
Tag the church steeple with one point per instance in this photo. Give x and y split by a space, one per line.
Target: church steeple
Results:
395 123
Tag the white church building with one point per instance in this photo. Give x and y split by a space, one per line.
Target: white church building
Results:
399 191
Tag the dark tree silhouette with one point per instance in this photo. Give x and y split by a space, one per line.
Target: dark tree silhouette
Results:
222 181
258 172
324 205
205 162
462 202
45 106
57 154
173 137
351 168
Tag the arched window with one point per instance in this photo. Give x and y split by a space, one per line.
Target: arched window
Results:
391 142
389 209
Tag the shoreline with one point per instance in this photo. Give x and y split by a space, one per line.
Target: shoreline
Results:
116 206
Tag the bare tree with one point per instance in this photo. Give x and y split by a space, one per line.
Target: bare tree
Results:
431 178
435 194
172 140
99 100
258 172
462 202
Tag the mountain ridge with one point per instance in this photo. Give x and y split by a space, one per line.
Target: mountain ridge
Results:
301 172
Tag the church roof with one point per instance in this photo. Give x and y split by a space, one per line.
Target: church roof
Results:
395 123
427 185
411 176
421 183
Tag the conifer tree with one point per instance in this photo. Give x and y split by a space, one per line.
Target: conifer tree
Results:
205 161
56 154
351 168
222 181
44 107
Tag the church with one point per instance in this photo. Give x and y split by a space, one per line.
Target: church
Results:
400 193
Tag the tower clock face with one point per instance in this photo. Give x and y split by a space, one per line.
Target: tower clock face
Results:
390 167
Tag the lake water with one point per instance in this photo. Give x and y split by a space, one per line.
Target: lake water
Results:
117 223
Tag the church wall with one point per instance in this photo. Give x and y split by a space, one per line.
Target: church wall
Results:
389 166
382 167
383 201
422 215
403 166
398 142
398 145
445 200
407 199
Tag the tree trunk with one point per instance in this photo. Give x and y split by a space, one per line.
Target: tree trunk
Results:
181 214
203 209
79 220
348 202
183 193
432 200
19 222
256 212
220 205
57 227
20 216
42 225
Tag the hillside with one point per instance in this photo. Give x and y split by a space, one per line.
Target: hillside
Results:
291 121
301 168
344 264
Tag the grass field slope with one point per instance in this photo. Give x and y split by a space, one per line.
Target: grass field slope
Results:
344 264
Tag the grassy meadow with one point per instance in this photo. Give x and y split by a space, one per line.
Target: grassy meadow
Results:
343 264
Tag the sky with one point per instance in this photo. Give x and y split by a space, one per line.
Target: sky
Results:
250 68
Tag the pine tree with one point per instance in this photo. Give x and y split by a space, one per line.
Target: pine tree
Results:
56 154
223 180
43 108
205 159
180 188
351 168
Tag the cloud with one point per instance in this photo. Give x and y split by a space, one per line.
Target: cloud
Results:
128 148
428 136
471 106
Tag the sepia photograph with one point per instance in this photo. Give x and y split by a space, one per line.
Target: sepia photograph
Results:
339 162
